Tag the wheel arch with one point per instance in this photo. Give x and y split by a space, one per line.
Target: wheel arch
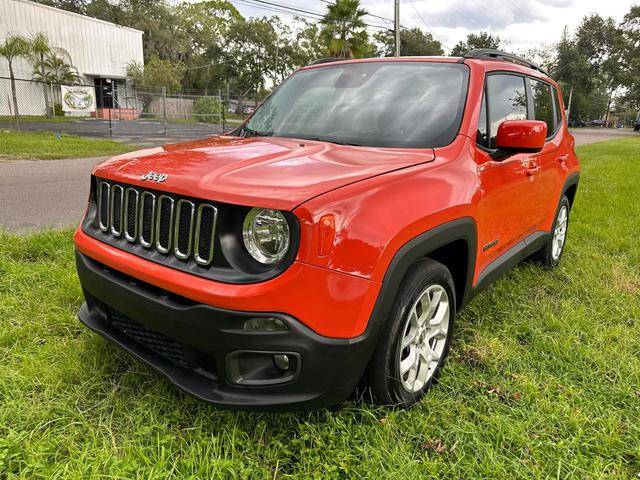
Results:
570 188
453 243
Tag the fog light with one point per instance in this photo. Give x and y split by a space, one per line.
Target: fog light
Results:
281 361
266 324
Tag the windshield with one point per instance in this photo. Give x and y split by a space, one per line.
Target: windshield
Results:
379 104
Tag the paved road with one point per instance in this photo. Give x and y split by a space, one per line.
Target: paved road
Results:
38 194
43 194
591 135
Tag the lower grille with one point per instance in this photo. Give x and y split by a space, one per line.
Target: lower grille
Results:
172 350
158 343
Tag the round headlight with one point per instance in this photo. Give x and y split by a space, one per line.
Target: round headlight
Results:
266 235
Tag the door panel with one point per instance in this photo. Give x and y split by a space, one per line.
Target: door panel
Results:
507 204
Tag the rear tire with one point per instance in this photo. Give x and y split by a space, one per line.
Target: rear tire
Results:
416 339
549 256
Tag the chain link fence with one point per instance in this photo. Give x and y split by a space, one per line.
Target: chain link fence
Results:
118 109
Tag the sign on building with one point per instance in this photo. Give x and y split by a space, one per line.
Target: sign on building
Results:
78 99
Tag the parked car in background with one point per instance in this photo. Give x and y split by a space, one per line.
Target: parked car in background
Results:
330 241
636 126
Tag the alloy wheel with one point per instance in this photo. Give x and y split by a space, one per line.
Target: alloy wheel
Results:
560 233
424 336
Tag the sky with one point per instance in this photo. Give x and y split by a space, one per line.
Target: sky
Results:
522 24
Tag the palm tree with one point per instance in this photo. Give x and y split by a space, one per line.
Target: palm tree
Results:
13 47
344 31
40 50
59 70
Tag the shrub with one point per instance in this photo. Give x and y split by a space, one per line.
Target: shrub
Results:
208 108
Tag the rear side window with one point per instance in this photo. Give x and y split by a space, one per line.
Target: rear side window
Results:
543 104
507 100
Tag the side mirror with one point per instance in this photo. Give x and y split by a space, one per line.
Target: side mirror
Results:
521 136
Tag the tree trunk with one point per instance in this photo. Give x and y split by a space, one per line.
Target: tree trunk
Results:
13 90
45 88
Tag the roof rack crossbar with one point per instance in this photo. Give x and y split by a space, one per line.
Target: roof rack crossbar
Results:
504 56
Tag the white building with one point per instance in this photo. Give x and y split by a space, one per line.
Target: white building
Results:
99 50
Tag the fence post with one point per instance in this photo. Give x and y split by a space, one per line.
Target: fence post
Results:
164 109
222 109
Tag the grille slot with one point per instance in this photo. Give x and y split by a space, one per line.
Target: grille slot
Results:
160 222
205 228
115 209
104 189
158 343
184 229
164 222
147 210
131 214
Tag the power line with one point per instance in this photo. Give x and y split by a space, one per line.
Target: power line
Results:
427 25
283 8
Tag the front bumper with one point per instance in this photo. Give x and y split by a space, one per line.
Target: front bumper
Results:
193 344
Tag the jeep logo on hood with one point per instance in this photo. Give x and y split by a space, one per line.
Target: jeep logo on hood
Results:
154 177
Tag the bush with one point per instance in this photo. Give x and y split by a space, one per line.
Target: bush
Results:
209 107
57 110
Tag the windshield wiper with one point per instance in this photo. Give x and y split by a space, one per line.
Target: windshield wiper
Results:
246 132
336 141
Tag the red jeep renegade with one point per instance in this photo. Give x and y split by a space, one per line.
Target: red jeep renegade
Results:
330 240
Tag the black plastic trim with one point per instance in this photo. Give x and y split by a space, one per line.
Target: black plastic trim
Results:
323 379
510 259
416 249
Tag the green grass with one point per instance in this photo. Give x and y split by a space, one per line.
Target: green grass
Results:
47 146
543 380
37 119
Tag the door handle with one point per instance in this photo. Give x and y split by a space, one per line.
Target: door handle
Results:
531 170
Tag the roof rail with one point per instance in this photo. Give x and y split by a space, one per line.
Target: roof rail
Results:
504 56
327 60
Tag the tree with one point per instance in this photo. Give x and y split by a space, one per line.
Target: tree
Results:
631 31
475 41
603 44
413 42
344 34
59 70
14 46
49 62
157 73
308 43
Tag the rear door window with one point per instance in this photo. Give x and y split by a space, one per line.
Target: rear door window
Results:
507 100
543 105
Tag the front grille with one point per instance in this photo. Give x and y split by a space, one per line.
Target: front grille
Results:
158 343
168 225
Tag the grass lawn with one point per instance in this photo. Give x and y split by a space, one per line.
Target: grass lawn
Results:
16 145
37 119
543 380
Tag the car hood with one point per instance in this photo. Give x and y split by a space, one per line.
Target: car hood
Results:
277 173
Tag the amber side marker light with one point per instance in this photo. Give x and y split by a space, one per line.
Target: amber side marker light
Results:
327 235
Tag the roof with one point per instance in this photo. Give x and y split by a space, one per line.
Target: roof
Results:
65 12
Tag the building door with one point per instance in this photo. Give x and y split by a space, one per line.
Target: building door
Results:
104 92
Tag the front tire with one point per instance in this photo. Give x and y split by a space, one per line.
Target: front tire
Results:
549 256
416 341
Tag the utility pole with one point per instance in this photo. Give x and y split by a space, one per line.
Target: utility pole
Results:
396 26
